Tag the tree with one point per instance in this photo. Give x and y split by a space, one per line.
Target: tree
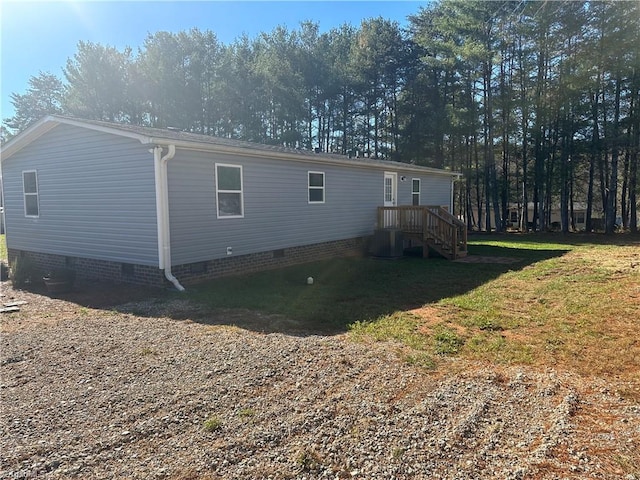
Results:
243 99
278 70
98 83
378 55
530 100
5 135
43 97
336 48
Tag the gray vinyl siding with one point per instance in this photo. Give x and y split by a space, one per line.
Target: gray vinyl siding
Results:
276 209
434 190
96 197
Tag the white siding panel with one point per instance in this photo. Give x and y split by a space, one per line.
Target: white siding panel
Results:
96 193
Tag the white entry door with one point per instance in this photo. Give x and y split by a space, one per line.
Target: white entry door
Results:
390 189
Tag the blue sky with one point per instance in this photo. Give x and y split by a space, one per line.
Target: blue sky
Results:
41 36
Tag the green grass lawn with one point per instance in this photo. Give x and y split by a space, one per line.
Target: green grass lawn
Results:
349 290
570 301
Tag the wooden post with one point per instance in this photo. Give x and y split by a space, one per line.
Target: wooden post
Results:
425 243
454 247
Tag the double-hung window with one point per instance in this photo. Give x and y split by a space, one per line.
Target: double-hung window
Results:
415 191
30 192
316 187
229 197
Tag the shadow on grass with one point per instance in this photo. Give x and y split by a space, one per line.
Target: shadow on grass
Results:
348 290
344 291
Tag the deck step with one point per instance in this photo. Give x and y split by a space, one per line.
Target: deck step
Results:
433 226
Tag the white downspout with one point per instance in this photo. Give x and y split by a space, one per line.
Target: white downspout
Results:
162 212
453 187
454 179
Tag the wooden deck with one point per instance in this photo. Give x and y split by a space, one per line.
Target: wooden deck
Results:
433 226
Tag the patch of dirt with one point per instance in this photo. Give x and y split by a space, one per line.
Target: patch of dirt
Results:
429 314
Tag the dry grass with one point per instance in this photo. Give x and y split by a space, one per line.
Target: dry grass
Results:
579 312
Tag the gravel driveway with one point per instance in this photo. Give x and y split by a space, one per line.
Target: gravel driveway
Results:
164 390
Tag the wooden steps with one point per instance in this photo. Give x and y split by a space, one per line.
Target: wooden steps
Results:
432 226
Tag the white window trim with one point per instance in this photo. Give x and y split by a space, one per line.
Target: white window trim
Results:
241 191
419 192
310 187
25 194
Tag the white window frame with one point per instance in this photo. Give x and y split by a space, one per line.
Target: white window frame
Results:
26 194
314 187
413 193
219 191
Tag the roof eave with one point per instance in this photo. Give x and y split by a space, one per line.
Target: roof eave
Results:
24 138
351 162
145 139
48 123
51 121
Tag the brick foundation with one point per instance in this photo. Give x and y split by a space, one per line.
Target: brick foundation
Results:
236 265
87 269
91 269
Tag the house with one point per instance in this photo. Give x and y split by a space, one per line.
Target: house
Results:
142 205
1 208
554 218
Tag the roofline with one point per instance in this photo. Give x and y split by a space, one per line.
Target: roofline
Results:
24 138
49 122
350 162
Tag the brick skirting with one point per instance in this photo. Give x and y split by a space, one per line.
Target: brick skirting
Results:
189 274
92 269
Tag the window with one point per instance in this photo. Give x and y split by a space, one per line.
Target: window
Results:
30 191
229 191
415 191
316 187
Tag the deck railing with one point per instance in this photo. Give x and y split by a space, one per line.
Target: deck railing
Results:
434 224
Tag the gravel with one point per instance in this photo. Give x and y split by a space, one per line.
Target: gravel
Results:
161 389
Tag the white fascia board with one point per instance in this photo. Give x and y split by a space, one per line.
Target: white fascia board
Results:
48 123
292 157
104 129
23 139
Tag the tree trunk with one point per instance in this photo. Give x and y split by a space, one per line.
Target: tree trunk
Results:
611 205
593 160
